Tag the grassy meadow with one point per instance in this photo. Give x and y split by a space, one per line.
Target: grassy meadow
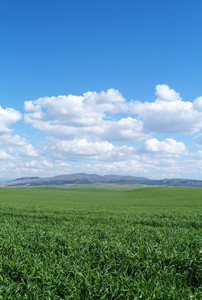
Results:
101 242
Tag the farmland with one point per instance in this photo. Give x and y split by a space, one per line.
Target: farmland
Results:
101 242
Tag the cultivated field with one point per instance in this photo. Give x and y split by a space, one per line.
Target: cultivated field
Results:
101 242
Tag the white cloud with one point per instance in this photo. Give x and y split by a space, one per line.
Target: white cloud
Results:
16 145
75 110
141 166
126 129
167 147
41 167
4 155
138 165
168 114
88 116
89 133
83 150
8 116
165 93
198 104
91 116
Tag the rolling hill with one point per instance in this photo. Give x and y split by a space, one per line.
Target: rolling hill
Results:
82 178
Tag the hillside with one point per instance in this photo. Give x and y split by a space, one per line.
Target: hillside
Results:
82 178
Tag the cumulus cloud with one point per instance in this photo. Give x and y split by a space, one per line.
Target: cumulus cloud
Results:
169 114
89 133
167 147
75 110
83 150
198 104
8 116
165 93
125 129
15 149
17 146
88 116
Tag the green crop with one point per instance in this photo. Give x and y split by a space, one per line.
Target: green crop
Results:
74 243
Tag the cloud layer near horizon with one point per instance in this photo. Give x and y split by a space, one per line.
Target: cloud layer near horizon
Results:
103 132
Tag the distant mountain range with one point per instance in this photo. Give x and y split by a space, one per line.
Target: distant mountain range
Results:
81 178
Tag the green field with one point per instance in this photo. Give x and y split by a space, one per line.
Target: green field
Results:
101 242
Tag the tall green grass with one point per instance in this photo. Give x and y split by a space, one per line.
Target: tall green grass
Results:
57 243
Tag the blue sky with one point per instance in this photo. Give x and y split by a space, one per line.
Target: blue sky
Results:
129 73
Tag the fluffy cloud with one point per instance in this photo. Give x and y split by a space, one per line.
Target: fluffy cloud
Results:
93 115
164 93
83 150
169 114
89 133
8 116
14 145
126 129
15 149
198 104
166 147
17 146
86 110
88 116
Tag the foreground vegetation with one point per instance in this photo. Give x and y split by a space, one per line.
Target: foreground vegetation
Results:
97 243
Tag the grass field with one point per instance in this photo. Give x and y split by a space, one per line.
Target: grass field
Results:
101 242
